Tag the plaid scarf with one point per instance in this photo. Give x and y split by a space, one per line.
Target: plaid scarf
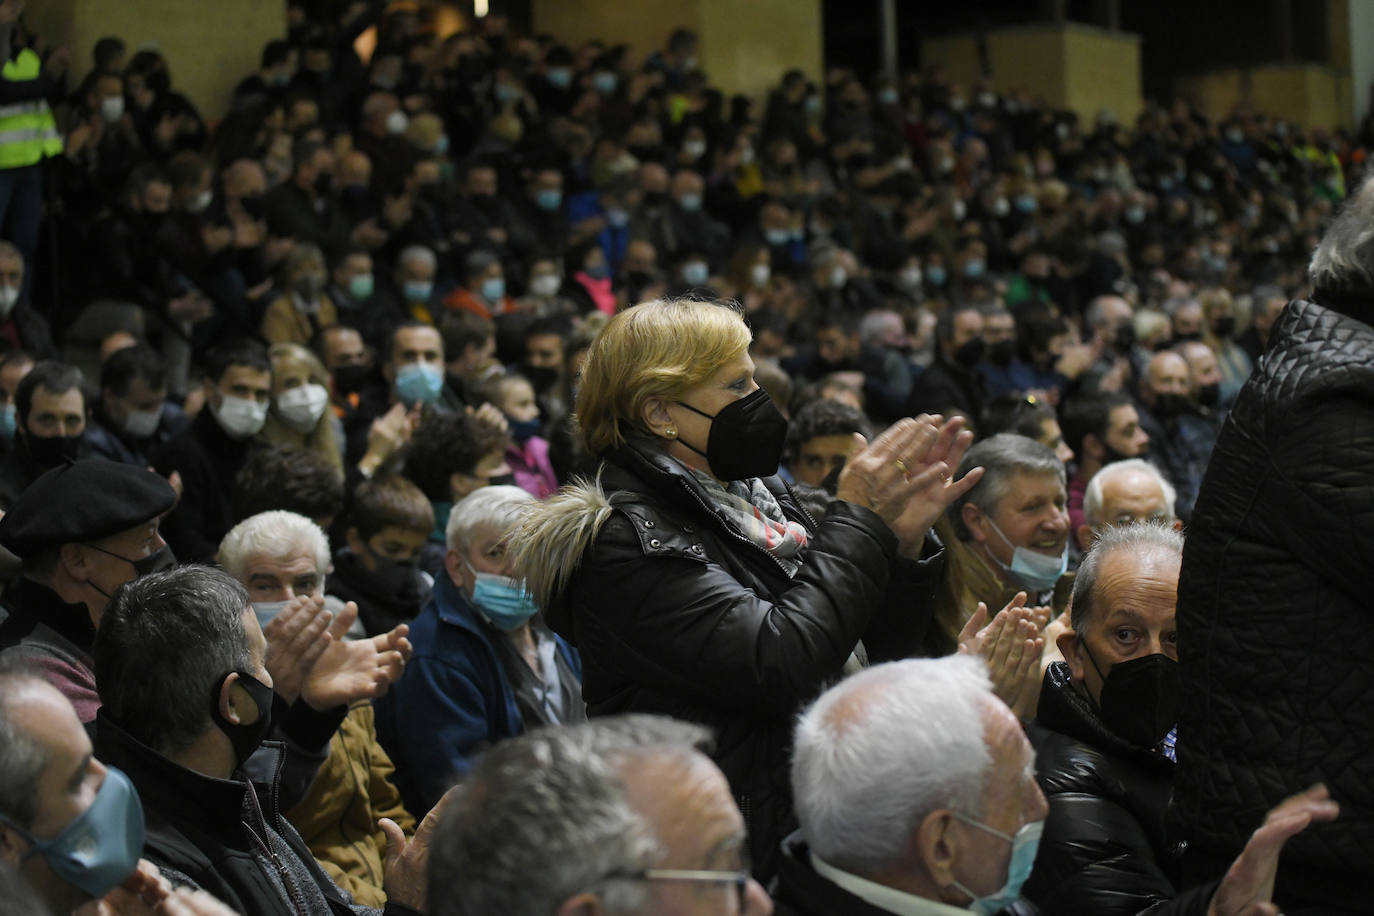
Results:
755 513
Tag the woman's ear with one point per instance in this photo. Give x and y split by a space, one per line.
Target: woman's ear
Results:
657 419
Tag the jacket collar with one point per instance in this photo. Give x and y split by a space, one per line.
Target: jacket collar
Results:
1353 303
175 792
1064 709
453 608
35 603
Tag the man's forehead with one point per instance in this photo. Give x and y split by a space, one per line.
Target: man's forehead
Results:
43 713
296 562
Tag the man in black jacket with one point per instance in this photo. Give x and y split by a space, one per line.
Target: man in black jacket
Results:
915 794
187 698
1104 739
952 381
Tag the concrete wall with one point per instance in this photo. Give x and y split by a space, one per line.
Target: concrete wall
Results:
1309 94
1078 67
746 45
209 44
1357 43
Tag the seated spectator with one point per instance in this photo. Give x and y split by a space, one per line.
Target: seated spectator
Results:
1124 492
209 452
50 422
820 439
470 351
952 380
884 374
486 666
303 308
1100 430
14 365
300 417
71 826
412 296
278 557
527 452
412 378
1104 737
1180 439
282 477
349 364
1029 416
388 522
165 646
453 455
133 416
915 794
1218 333
483 290
621 815
82 530
21 325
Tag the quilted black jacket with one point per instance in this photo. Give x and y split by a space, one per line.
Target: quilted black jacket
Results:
1104 850
1276 631
674 613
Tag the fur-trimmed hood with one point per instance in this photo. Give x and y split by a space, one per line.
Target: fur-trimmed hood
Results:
548 546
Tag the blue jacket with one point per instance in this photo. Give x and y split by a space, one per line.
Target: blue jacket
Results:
452 701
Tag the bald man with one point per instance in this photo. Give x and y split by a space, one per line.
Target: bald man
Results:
1124 492
1181 438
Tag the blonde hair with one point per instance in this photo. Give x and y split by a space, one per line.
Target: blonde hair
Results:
659 349
321 439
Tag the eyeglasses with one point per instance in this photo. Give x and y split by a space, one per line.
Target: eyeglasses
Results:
740 879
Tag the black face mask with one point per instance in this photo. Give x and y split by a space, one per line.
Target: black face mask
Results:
350 379
1224 327
1001 353
542 378
1140 698
157 561
393 578
52 451
1125 338
1209 395
746 437
1187 338
971 353
245 738
1168 406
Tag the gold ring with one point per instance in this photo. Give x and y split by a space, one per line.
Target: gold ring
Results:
901 466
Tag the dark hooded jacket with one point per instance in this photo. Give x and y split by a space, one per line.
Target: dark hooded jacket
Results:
1274 620
677 613
1104 850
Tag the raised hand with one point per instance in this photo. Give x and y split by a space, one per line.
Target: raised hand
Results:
1011 645
360 669
404 870
296 638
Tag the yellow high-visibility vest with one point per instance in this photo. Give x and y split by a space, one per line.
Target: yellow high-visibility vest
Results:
28 133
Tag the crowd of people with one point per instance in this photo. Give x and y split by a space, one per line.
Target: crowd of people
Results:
498 476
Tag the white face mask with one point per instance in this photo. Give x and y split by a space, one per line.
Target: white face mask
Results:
9 298
112 107
240 417
302 407
397 122
201 202
760 274
545 285
142 423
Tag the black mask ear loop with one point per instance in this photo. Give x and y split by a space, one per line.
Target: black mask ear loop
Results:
700 414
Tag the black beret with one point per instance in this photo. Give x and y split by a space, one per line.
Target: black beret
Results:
83 501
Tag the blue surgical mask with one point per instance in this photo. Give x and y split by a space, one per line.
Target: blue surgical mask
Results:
690 203
548 199
100 848
604 82
502 600
559 77
1023 848
599 272
776 237
523 431
1035 570
974 268
617 217
8 422
267 611
494 289
935 275
419 383
1026 203
418 290
695 273
360 286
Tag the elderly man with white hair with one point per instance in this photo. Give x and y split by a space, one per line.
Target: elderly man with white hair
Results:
282 559
1123 492
915 793
486 667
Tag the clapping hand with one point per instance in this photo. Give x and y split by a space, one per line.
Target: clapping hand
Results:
358 669
1011 645
1248 888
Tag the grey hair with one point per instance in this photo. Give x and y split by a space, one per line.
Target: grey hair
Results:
873 325
1173 304
419 253
544 817
165 642
1092 496
277 534
881 750
496 508
1000 456
22 759
1344 258
1095 315
1138 537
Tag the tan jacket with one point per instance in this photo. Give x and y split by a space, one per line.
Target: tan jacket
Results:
338 817
282 322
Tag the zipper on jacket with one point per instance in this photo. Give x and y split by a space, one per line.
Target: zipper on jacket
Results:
265 842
